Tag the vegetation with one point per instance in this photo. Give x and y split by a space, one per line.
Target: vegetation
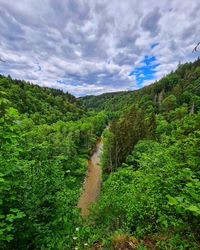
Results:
151 158
42 105
42 166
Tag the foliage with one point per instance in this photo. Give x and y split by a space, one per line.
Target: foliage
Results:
151 165
42 105
184 84
42 170
155 191
151 158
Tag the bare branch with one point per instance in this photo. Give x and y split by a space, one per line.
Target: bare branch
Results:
196 47
1 60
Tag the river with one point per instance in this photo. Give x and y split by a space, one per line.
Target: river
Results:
92 182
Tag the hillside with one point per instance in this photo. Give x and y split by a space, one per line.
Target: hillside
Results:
151 158
184 79
40 102
46 139
99 125
149 197
109 101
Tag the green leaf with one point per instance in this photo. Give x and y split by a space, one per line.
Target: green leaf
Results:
172 200
193 208
8 237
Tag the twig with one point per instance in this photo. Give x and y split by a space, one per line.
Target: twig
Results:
2 60
196 47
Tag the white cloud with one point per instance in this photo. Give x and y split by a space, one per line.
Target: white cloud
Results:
93 45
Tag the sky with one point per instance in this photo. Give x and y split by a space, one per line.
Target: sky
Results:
89 47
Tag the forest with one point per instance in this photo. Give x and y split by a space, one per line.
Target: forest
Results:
150 194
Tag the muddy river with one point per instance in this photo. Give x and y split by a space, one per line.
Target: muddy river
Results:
92 183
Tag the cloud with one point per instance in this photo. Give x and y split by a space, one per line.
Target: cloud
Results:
151 21
96 46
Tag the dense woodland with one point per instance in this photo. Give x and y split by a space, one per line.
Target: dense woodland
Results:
46 138
150 197
151 160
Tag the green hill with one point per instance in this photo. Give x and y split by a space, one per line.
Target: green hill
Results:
151 191
45 140
150 195
48 105
184 81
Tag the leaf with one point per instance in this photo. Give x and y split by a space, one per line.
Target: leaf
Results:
8 237
20 215
193 208
14 210
2 180
9 228
165 223
172 200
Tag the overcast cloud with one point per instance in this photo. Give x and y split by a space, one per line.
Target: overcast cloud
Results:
91 47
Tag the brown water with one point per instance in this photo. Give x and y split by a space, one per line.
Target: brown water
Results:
92 183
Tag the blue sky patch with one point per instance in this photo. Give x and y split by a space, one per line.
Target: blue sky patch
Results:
64 82
146 71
